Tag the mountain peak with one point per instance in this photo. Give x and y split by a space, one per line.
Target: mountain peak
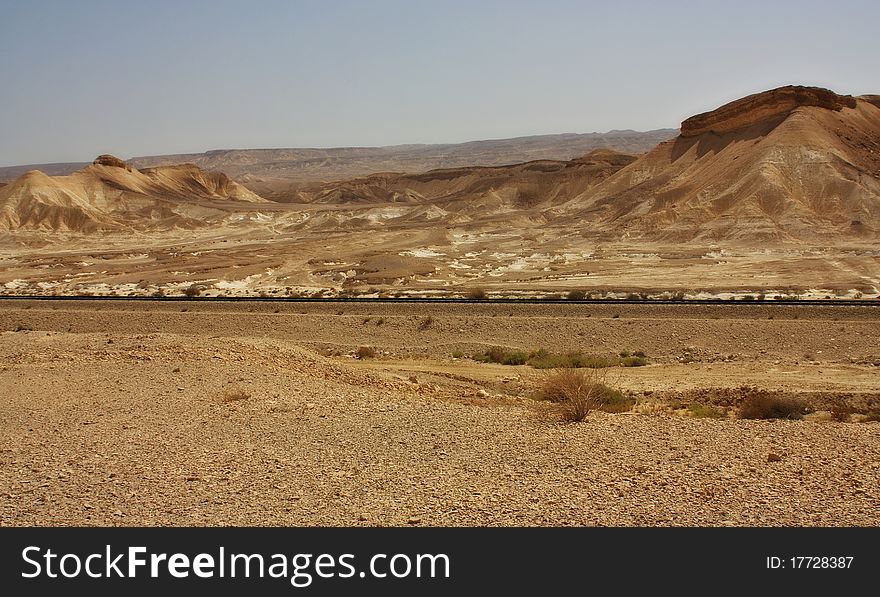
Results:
110 160
764 106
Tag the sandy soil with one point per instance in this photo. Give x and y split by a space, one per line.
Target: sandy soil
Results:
210 414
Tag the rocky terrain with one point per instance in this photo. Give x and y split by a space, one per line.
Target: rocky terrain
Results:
231 414
774 194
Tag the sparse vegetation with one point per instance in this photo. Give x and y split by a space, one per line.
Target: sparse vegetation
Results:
764 405
235 395
366 352
841 412
492 355
544 359
576 295
515 358
457 354
703 411
577 392
477 294
426 323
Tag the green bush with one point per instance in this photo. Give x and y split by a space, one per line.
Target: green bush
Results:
515 358
702 411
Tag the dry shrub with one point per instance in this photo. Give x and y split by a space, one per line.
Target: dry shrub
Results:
763 405
703 411
235 395
365 352
426 323
841 412
515 358
579 391
477 294
495 354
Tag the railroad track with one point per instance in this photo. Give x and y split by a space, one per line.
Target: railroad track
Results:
456 301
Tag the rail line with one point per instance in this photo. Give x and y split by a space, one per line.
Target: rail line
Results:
454 301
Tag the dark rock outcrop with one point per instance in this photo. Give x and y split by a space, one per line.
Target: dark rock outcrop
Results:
762 107
110 160
871 99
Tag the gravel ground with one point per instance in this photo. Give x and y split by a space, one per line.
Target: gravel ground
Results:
105 426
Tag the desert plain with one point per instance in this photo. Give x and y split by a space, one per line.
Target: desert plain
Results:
220 413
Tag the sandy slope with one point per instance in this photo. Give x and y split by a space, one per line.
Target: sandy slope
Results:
110 196
777 166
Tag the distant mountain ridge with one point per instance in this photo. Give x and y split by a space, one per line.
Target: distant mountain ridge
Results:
789 165
325 165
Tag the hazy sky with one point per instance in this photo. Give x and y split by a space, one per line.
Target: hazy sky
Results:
80 78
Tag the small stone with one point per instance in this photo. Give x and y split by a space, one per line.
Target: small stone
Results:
773 457
482 393
414 520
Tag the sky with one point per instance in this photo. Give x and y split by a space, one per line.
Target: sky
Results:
82 78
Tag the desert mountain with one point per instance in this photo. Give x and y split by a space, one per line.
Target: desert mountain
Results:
525 185
776 192
266 170
794 163
270 169
111 195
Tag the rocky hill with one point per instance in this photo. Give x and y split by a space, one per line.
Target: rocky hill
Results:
790 164
111 195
